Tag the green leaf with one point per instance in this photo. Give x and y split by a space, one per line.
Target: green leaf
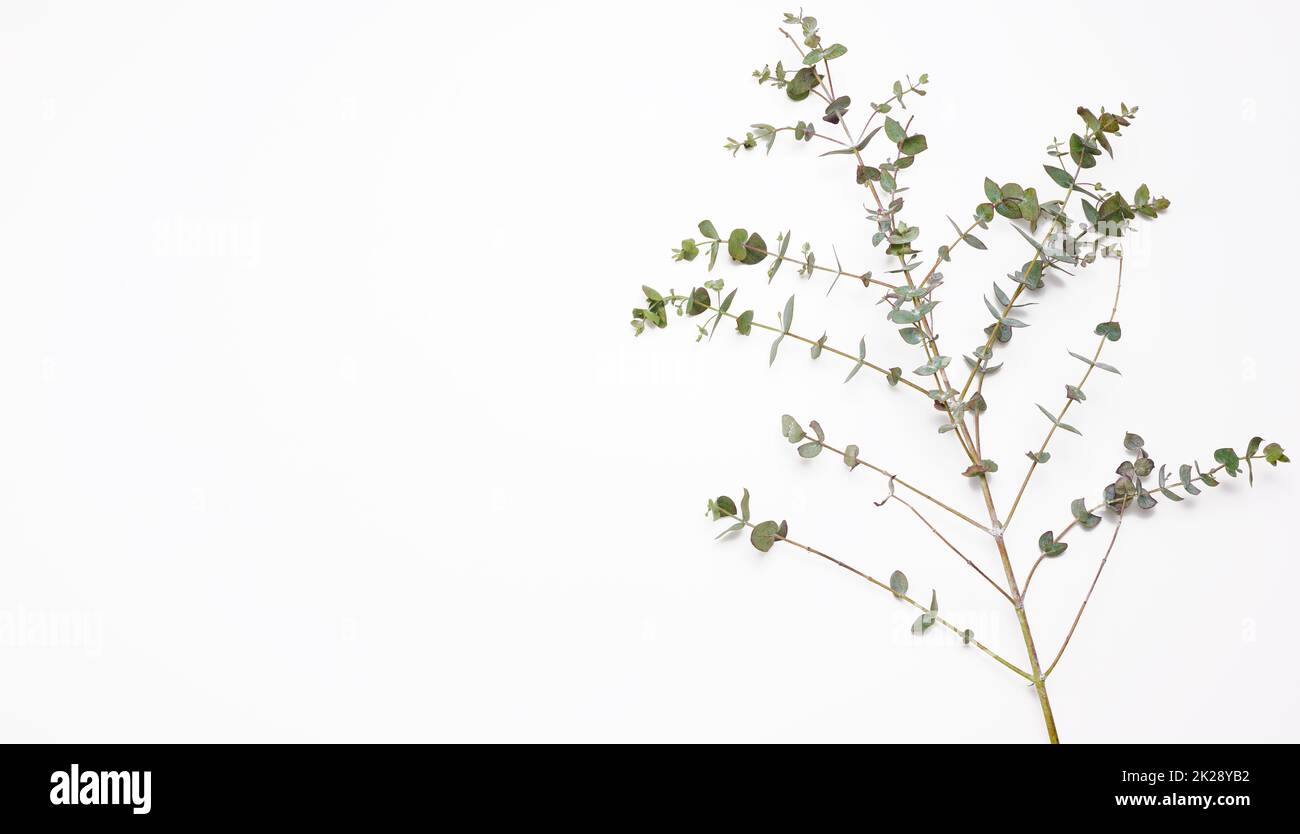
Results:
816 349
1102 365
1250 453
1039 457
933 367
736 245
1185 475
764 535
1165 491
862 355
755 250
834 51
1133 442
811 449
744 506
836 109
780 257
894 375
1227 457
1048 546
857 147
894 130
967 637
1058 423
745 322
851 456
726 504
1079 508
913 145
1029 208
1073 393
1059 176
898 582
735 528
699 302
791 430
706 229
802 83
1274 455
992 191
982 468
1109 329
927 618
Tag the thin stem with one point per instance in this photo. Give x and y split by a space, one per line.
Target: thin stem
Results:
953 548
1101 343
865 278
864 363
905 484
905 598
1091 588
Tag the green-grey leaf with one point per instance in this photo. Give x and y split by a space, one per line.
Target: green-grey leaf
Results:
1059 176
791 430
736 245
1109 329
913 145
1227 457
735 528
898 582
1102 365
1133 442
764 535
1079 508
1058 423
851 456
811 449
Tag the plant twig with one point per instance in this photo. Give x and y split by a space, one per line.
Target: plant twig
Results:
1091 588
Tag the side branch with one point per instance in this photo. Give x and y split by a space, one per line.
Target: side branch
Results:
1091 588
908 486
960 632
1069 401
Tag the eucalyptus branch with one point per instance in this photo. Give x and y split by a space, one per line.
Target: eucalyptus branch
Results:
793 431
1109 331
911 306
769 532
1088 596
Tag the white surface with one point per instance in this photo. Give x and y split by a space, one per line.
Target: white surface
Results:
323 419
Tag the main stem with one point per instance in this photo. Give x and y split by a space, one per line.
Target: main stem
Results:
1018 601
1039 686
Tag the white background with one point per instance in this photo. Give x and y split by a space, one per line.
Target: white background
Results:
323 420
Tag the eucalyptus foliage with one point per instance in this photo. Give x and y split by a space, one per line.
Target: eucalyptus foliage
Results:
1054 240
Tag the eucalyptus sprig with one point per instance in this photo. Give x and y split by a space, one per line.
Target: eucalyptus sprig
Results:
1056 239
